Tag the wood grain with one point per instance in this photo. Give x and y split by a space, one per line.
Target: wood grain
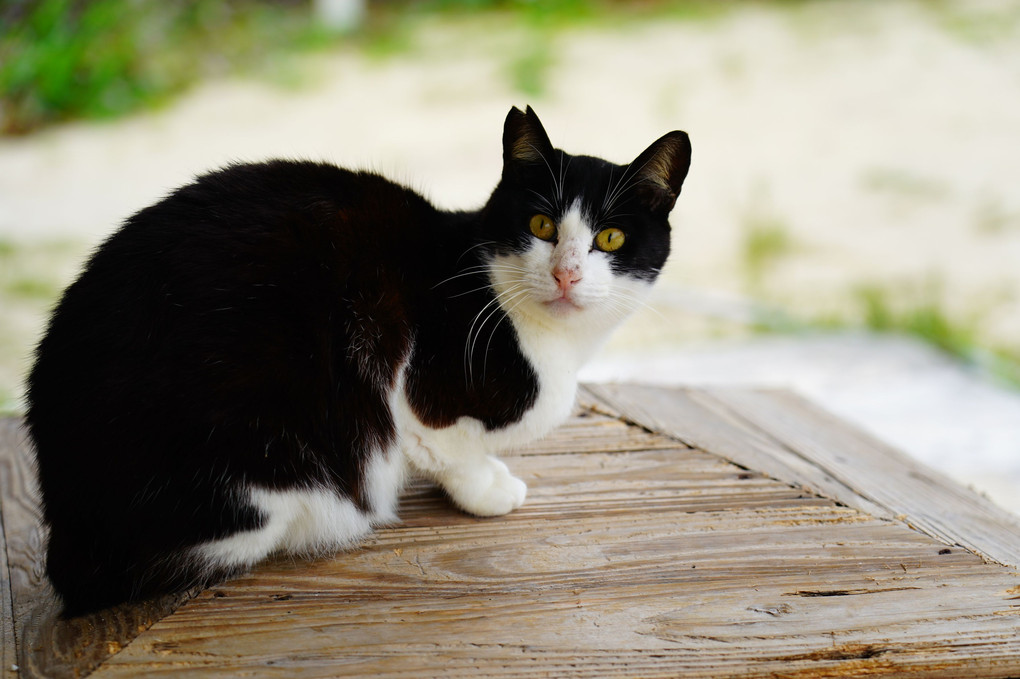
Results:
788 438
925 498
23 537
593 432
8 645
684 414
729 575
637 554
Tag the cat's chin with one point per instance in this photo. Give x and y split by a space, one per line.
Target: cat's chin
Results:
562 307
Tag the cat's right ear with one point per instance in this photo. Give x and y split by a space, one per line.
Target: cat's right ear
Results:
524 140
661 169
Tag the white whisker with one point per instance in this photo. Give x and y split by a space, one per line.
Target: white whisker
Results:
471 291
522 296
630 175
621 296
475 329
467 272
480 268
557 185
476 246
543 203
605 199
468 371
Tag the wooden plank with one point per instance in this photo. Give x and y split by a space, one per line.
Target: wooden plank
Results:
685 415
23 537
594 432
925 498
8 644
634 555
45 645
620 484
787 438
722 573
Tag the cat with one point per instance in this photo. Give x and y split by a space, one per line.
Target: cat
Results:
256 363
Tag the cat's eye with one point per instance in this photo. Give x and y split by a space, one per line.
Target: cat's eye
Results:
543 227
609 239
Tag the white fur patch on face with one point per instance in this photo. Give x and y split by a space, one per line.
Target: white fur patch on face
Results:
530 290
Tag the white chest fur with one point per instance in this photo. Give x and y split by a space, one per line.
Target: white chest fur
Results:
461 457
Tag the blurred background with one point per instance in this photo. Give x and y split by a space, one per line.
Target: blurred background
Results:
850 227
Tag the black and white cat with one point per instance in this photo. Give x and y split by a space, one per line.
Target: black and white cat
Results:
256 363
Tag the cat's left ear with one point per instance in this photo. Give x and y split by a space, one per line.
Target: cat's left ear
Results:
660 171
524 139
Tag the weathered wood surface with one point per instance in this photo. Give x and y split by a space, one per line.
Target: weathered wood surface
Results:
784 436
636 555
8 655
40 644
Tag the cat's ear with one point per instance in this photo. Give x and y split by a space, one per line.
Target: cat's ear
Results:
660 171
524 139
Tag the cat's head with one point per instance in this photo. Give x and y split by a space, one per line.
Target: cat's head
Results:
577 239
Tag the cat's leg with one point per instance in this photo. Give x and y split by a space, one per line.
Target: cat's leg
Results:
296 521
477 483
458 458
484 488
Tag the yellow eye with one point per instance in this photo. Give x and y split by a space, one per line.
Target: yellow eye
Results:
609 239
543 227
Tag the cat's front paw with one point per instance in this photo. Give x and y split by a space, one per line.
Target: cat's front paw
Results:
485 489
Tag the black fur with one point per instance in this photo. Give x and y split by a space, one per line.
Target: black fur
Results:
247 330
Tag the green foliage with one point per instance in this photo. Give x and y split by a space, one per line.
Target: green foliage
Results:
8 403
534 11
33 273
976 23
1003 364
766 240
68 59
529 70
31 288
925 320
899 182
64 59
54 60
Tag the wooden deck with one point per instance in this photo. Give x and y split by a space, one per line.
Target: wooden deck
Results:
667 533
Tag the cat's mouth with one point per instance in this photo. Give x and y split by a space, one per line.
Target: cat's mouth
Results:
562 305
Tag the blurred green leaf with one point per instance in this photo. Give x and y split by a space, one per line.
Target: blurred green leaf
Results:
66 59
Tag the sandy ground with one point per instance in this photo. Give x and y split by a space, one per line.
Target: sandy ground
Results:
875 142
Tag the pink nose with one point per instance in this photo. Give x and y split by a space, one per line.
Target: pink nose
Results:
566 278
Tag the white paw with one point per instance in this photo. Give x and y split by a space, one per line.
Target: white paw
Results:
485 489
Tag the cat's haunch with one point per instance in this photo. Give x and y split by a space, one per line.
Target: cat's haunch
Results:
256 363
